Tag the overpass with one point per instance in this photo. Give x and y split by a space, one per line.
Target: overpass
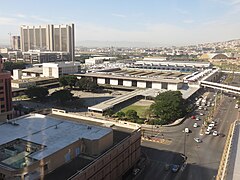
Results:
222 87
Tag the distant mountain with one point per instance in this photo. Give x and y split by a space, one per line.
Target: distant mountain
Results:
118 44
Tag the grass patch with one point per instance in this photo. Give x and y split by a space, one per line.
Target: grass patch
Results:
140 109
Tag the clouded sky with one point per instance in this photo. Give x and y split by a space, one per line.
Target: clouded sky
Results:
166 22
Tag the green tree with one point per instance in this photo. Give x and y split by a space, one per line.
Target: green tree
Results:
168 106
132 115
9 66
62 95
68 80
120 114
109 113
36 92
87 84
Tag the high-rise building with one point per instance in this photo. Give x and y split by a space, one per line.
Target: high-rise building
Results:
16 43
5 93
48 37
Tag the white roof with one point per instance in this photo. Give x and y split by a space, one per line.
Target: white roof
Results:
51 132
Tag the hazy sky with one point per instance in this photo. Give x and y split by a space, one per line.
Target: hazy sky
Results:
167 22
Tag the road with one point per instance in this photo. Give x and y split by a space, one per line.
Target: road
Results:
202 158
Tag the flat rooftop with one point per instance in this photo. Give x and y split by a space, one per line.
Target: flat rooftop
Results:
144 75
36 79
51 133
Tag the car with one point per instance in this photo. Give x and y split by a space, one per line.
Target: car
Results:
198 119
215 133
201 114
209 127
195 125
175 167
193 117
186 130
135 171
200 107
207 131
205 108
198 140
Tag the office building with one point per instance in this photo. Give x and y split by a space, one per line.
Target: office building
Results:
16 43
5 93
38 56
61 146
48 37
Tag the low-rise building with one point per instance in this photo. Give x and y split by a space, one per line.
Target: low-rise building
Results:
59 146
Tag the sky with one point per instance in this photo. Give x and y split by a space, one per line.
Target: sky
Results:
161 22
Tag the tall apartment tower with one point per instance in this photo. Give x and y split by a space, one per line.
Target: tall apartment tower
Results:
48 37
5 93
16 43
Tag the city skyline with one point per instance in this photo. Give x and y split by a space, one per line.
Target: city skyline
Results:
136 22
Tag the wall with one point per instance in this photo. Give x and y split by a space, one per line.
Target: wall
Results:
101 80
156 85
172 87
127 83
113 81
141 84
115 162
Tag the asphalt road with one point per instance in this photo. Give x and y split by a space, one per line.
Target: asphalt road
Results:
202 158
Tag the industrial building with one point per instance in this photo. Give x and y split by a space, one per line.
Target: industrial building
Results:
5 93
182 66
59 146
137 78
48 37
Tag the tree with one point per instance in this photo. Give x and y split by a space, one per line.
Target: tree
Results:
120 114
168 106
68 80
36 92
108 112
62 95
132 115
9 66
86 84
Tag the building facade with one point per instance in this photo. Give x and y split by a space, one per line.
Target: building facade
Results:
5 93
16 45
48 37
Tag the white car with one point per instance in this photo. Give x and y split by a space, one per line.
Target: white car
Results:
201 114
198 140
207 131
215 133
209 127
195 125
186 130
200 107
198 119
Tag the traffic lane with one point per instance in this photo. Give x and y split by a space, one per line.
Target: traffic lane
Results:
158 159
208 154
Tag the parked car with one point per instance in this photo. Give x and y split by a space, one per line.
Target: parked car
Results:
215 133
175 167
201 114
207 131
193 117
198 119
198 140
